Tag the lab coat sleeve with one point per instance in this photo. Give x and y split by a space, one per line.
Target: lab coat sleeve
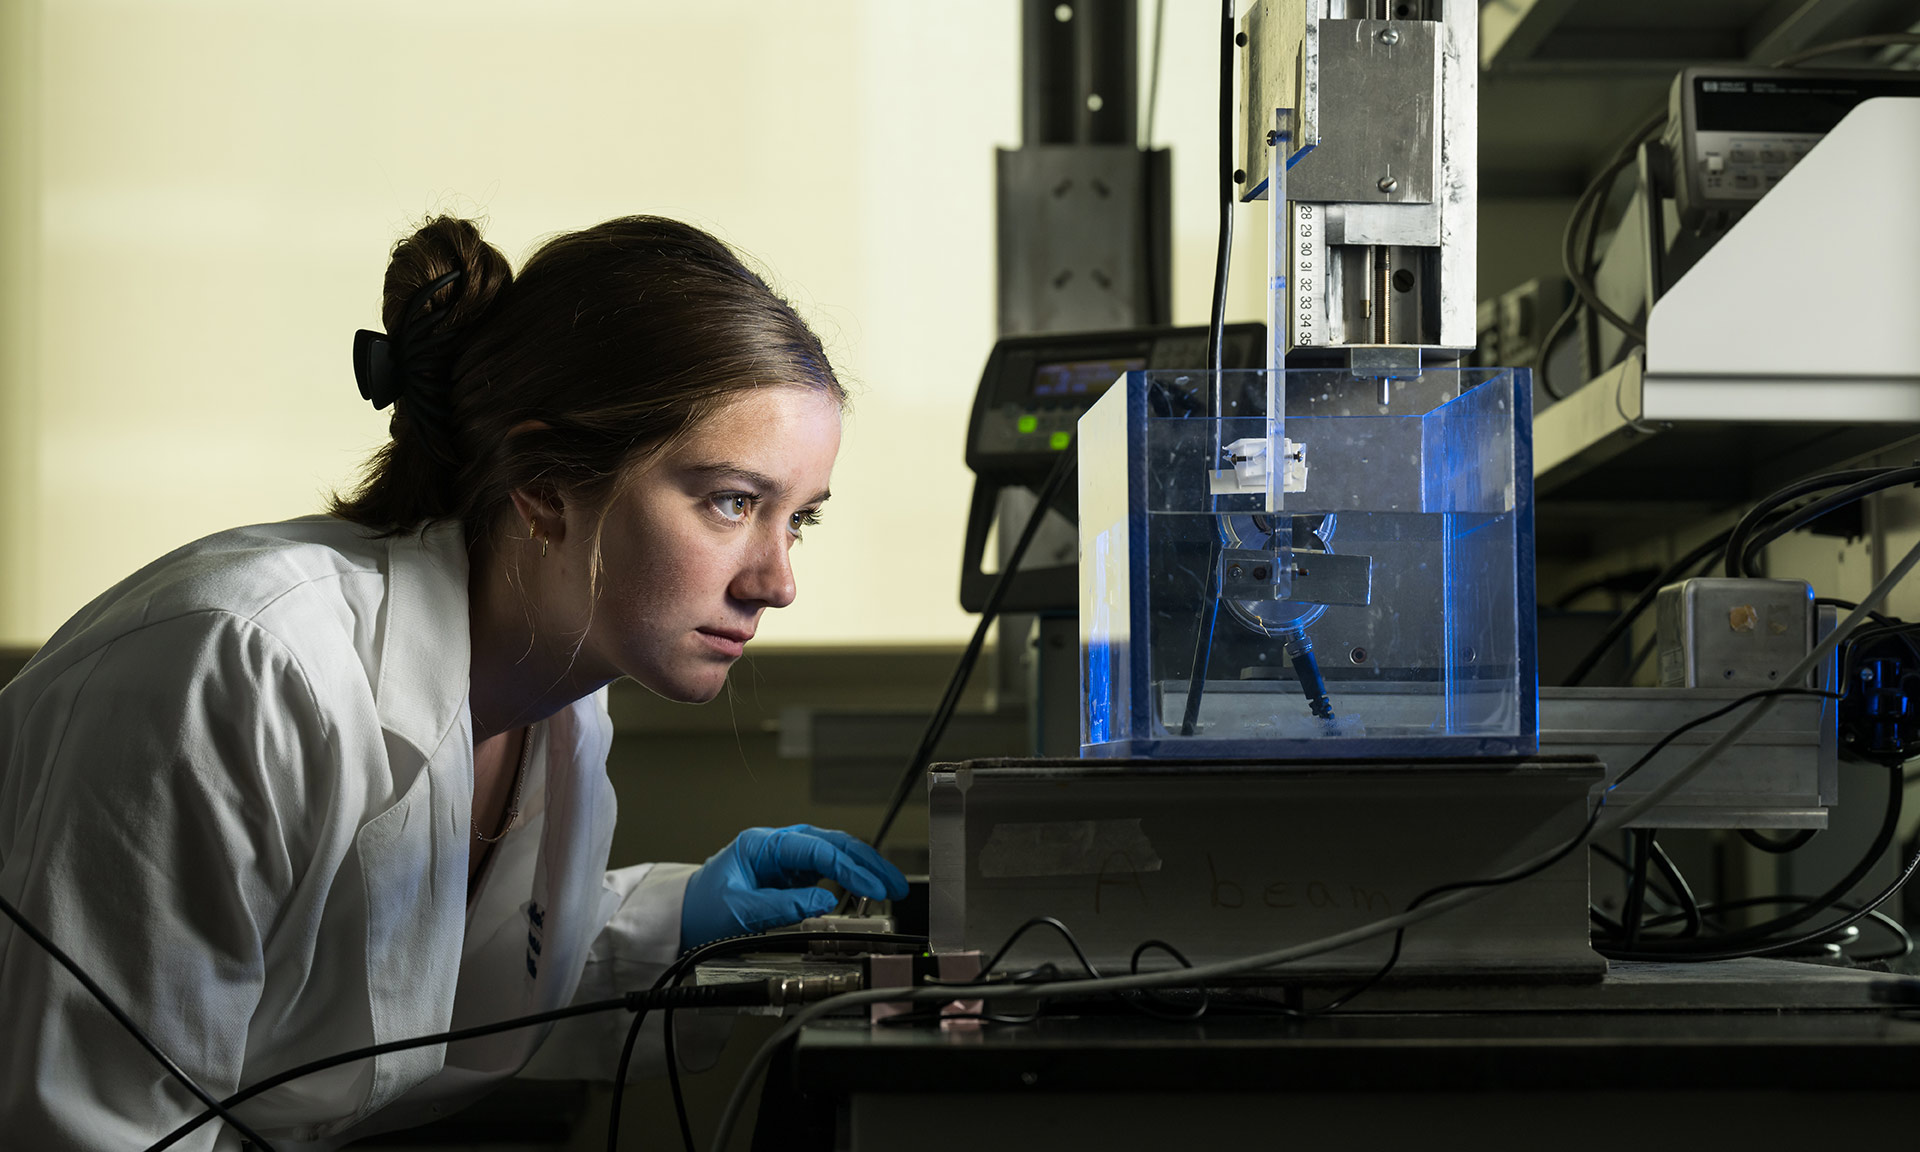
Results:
158 848
640 939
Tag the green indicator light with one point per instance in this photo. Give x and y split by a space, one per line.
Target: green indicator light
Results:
1059 441
1028 424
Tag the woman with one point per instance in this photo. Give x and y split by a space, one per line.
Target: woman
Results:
304 787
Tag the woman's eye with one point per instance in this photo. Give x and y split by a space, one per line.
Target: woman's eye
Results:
733 505
802 520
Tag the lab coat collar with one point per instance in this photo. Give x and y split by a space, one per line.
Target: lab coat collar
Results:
424 669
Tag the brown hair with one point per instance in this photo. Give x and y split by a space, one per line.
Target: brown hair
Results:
611 343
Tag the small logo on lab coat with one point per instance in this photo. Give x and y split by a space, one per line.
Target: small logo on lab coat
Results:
536 924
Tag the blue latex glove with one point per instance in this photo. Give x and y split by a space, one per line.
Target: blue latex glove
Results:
764 879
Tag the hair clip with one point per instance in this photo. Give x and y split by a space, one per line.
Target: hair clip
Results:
384 363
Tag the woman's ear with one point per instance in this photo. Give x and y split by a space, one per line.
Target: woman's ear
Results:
541 506
543 510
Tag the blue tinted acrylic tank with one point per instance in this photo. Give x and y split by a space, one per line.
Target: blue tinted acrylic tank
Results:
1354 577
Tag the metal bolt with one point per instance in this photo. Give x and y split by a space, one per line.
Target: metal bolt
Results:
1233 571
1390 37
1273 137
1239 176
1095 102
1388 184
1260 573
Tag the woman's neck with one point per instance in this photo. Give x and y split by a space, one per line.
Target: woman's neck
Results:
524 664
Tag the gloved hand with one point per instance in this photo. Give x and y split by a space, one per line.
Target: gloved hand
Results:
764 879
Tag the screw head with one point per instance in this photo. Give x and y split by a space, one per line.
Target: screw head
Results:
1260 573
1233 571
1239 176
1273 137
1390 37
1388 184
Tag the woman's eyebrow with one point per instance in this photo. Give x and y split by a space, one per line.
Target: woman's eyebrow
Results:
727 470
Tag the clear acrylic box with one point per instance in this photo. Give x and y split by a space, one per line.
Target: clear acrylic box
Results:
1393 541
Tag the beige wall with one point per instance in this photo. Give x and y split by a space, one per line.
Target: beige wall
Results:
198 196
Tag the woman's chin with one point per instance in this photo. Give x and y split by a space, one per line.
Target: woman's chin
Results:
690 687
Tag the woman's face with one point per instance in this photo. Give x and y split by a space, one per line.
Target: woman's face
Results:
696 547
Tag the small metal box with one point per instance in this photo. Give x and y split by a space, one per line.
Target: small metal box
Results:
1733 633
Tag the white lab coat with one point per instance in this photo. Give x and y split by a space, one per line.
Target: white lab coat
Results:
237 788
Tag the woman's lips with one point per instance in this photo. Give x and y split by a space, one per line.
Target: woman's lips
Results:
726 641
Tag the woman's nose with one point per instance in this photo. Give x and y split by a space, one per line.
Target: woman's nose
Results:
767 576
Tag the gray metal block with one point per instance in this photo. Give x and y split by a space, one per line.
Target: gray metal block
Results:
1379 109
1737 633
1224 860
1083 237
1784 774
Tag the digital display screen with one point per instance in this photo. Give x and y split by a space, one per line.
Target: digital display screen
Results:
1786 104
1080 379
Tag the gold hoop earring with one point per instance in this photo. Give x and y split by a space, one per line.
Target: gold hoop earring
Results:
533 533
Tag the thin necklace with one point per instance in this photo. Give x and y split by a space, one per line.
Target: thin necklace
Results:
519 782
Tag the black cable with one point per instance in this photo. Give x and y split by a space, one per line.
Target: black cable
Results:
673 1080
113 1009
1758 934
1767 505
1542 359
1893 927
1037 922
632 1001
1752 529
1636 905
1223 249
1216 331
1591 205
943 713
1815 936
1592 202
1663 893
1689 907
671 978
1792 842
620 1082
1803 516
1148 1000
320 1065
1660 744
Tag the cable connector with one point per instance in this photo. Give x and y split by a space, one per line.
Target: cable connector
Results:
785 990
